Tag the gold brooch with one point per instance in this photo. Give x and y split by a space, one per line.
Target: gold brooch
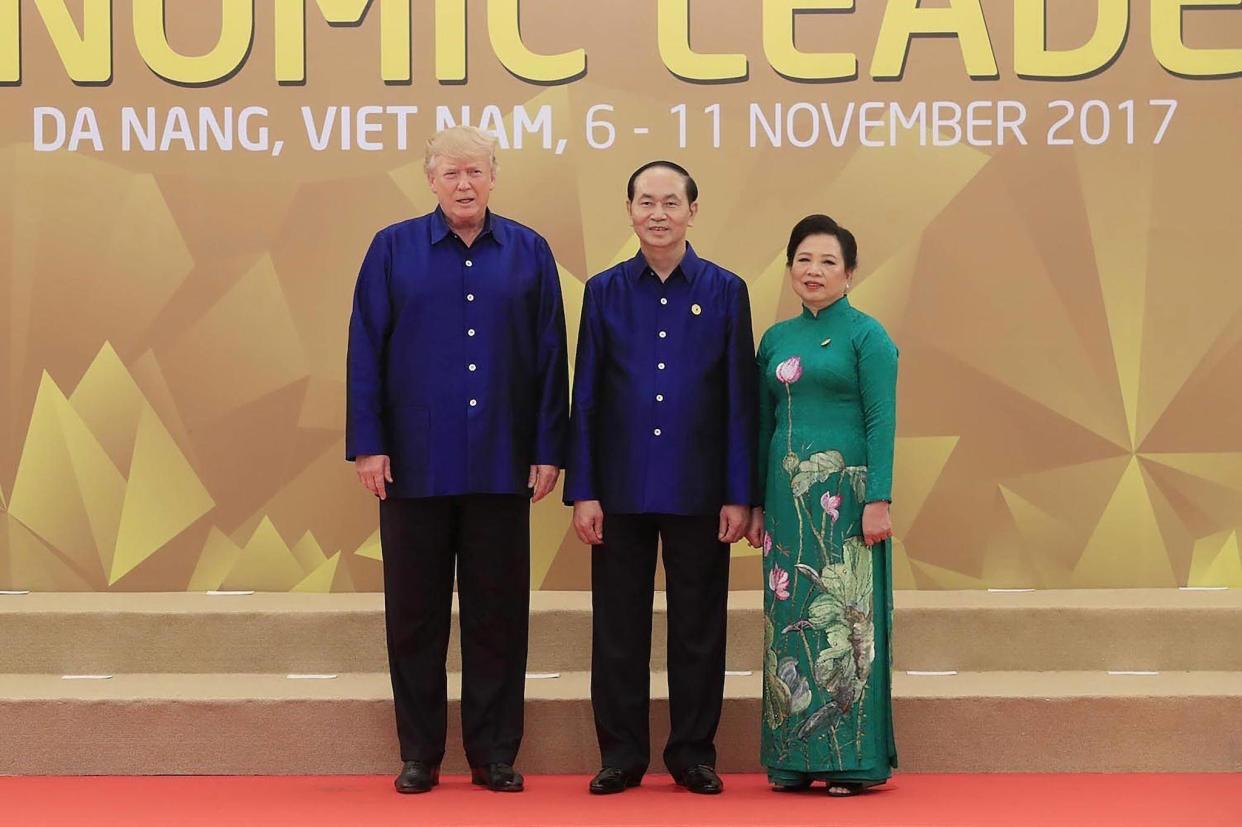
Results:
695 309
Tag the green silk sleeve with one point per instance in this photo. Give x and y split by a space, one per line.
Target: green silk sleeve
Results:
877 380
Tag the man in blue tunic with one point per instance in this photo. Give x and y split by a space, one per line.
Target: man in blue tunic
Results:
661 448
457 410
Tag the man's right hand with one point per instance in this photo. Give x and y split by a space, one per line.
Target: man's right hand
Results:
373 471
589 521
754 532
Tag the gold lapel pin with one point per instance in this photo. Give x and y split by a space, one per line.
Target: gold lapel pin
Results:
695 309
825 343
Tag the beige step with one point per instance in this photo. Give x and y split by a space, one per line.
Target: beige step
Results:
267 632
964 630
268 724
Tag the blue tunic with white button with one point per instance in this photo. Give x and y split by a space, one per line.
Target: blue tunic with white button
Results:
665 401
457 358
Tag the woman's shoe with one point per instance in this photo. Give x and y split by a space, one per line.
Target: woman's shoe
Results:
797 787
844 789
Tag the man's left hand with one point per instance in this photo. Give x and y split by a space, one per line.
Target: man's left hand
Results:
734 520
542 480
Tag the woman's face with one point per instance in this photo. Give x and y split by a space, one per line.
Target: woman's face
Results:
818 271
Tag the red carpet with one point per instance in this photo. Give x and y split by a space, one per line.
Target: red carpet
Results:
914 800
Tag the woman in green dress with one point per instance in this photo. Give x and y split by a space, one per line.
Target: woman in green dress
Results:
827 412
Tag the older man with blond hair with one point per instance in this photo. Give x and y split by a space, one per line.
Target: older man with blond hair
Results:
457 406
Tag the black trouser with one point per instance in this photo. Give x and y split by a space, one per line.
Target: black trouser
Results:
696 567
488 536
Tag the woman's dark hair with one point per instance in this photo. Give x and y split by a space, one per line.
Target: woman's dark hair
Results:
822 225
692 189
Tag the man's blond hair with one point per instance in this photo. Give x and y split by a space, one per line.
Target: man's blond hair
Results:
460 142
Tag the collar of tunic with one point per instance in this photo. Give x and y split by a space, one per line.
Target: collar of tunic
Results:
690 267
836 308
441 230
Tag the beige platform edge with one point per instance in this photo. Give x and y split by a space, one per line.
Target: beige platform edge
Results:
200 683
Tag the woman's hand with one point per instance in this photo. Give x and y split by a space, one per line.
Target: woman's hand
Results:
877 525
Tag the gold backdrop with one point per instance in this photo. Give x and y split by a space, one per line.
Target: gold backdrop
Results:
1069 316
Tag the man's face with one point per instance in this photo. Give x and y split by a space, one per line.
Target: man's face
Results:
660 211
462 186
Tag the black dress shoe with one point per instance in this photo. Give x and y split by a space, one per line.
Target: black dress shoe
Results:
417 777
499 778
702 780
611 780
